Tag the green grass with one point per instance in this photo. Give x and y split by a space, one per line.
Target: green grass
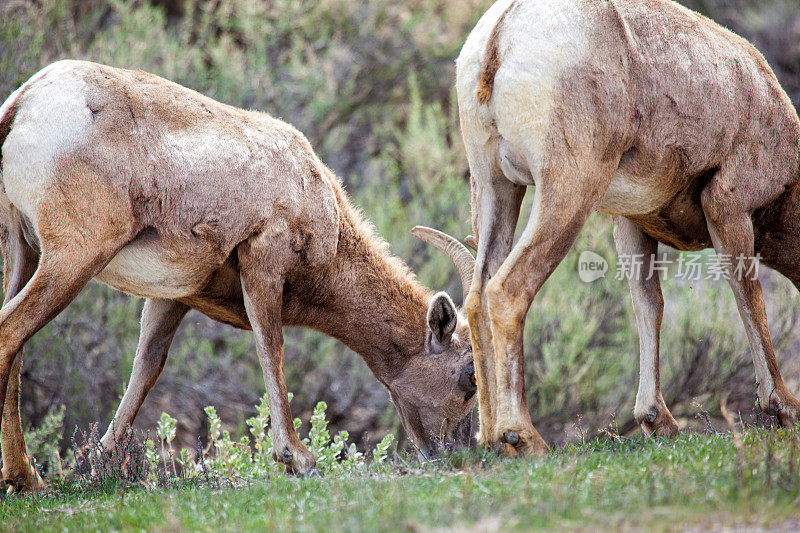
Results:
698 480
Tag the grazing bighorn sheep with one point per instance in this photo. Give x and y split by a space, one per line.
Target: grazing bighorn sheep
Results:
166 194
645 111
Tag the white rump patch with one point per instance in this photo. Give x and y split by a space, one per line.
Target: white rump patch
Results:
52 119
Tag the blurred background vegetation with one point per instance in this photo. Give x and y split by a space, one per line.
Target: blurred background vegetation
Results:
371 85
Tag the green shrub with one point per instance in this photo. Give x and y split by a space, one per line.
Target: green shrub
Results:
251 456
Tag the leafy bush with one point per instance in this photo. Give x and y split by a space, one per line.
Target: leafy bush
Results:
222 460
250 457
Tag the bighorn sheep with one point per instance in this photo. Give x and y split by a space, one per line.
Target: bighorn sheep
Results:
166 194
645 111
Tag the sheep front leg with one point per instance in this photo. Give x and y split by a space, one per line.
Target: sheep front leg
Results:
263 293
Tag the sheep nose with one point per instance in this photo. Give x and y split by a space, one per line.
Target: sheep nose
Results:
466 381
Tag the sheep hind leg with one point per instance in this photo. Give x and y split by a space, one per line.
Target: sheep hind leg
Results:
553 225
18 473
160 321
498 205
63 271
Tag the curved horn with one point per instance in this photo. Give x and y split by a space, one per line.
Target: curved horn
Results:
465 263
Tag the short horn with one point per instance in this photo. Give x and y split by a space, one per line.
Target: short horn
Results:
465 263
471 242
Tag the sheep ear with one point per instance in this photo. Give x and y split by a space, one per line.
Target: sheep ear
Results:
442 319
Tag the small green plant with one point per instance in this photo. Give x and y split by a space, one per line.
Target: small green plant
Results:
328 453
166 433
43 443
261 437
381 453
151 458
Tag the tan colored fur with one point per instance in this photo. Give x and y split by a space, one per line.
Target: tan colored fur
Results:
491 61
164 193
653 114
